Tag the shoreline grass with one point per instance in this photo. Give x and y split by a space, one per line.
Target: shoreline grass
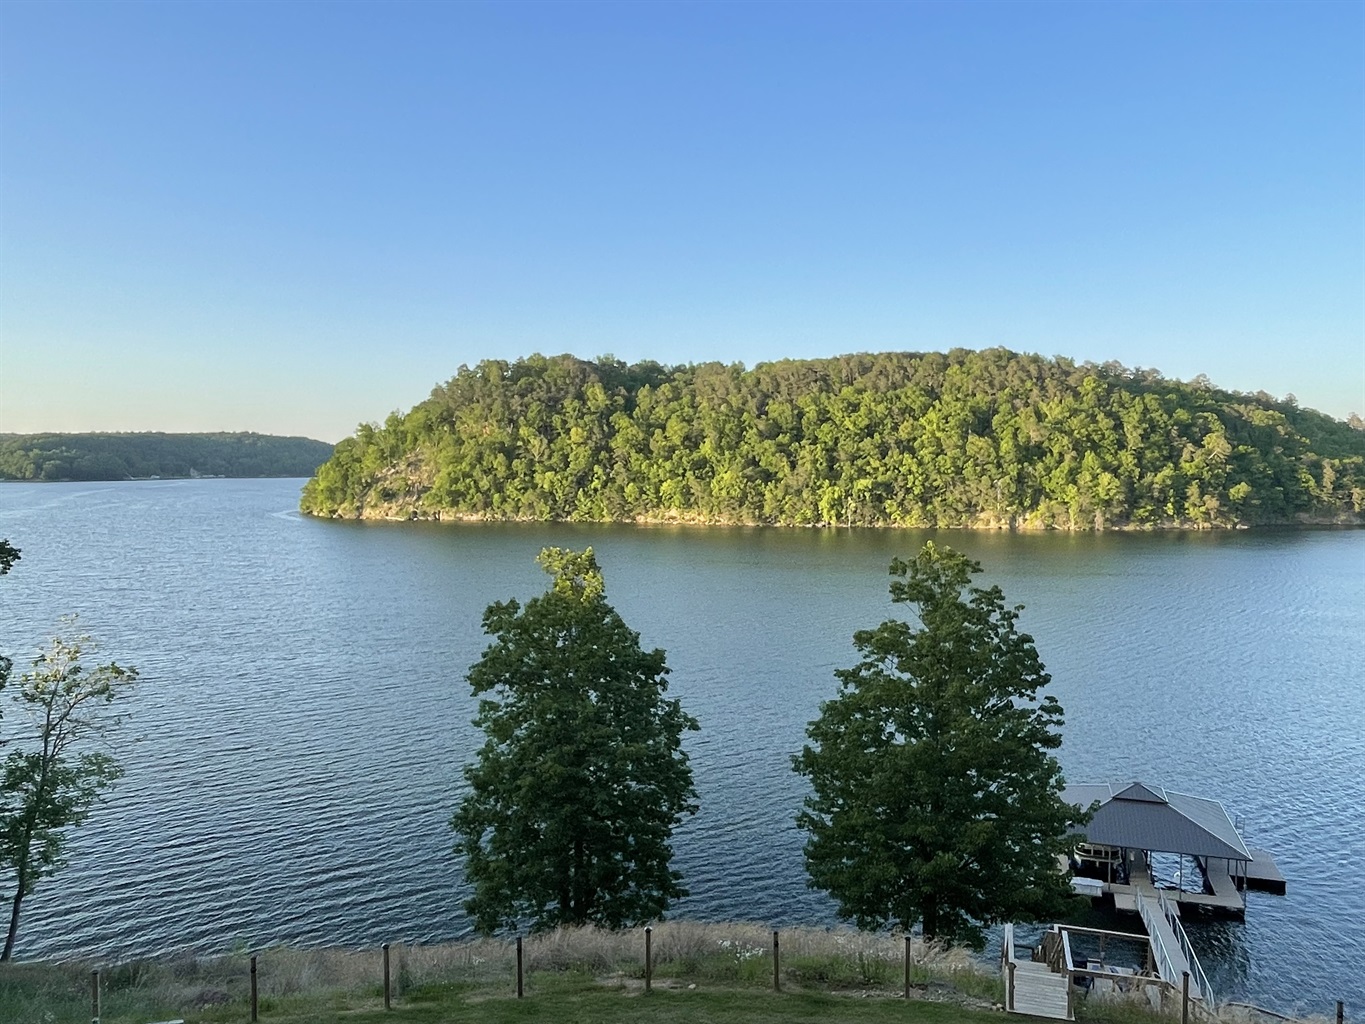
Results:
701 972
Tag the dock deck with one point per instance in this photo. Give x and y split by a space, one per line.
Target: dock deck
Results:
1263 874
1225 898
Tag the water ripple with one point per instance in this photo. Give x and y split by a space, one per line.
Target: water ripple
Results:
303 715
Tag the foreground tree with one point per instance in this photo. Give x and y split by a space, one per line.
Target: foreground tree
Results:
49 784
582 779
936 799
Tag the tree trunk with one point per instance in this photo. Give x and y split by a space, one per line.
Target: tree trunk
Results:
13 924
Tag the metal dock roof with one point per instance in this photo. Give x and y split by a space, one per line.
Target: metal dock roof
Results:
1139 817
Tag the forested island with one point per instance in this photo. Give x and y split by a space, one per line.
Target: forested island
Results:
989 439
134 456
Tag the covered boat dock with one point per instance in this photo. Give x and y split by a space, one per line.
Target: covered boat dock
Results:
1132 825
1134 822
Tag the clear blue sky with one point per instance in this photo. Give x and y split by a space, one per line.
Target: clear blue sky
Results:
294 217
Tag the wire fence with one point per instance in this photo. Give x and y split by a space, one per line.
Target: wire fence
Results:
668 954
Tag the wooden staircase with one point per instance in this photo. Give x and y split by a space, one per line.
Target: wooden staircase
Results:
1041 982
1041 993
1033 987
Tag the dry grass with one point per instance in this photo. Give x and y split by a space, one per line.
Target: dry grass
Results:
686 955
679 948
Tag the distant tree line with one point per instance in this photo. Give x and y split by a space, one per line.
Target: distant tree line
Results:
989 438
141 455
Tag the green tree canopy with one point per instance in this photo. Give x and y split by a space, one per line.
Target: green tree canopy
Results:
9 554
936 799
957 439
575 793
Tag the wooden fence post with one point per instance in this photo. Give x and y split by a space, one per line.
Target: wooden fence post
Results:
907 967
1184 997
388 987
777 965
649 957
254 1016
520 990
1009 989
95 996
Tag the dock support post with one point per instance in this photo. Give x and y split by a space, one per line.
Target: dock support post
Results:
95 997
649 957
521 991
1341 1012
1009 989
777 965
1184 997
254 1016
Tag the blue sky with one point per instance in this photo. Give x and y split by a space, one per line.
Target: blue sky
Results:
294 217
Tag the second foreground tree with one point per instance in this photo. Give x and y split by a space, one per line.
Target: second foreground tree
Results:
936 799
575 793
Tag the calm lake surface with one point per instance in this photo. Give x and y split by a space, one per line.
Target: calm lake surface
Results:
303 715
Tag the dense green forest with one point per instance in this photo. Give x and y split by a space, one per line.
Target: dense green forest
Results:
125 456
976 439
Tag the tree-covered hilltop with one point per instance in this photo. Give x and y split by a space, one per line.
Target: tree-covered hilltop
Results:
125 456
975 439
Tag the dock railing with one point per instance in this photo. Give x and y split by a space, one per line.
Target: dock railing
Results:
1198 978
1165 965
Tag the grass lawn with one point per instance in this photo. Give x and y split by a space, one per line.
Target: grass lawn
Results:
581 1000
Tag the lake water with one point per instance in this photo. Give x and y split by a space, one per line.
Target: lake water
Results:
303 716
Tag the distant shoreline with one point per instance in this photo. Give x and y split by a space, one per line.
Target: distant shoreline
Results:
458 518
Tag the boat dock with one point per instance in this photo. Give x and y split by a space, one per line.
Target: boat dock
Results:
1130 823
1133 822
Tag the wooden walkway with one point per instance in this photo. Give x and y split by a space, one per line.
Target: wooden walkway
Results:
1225 891
1171 949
